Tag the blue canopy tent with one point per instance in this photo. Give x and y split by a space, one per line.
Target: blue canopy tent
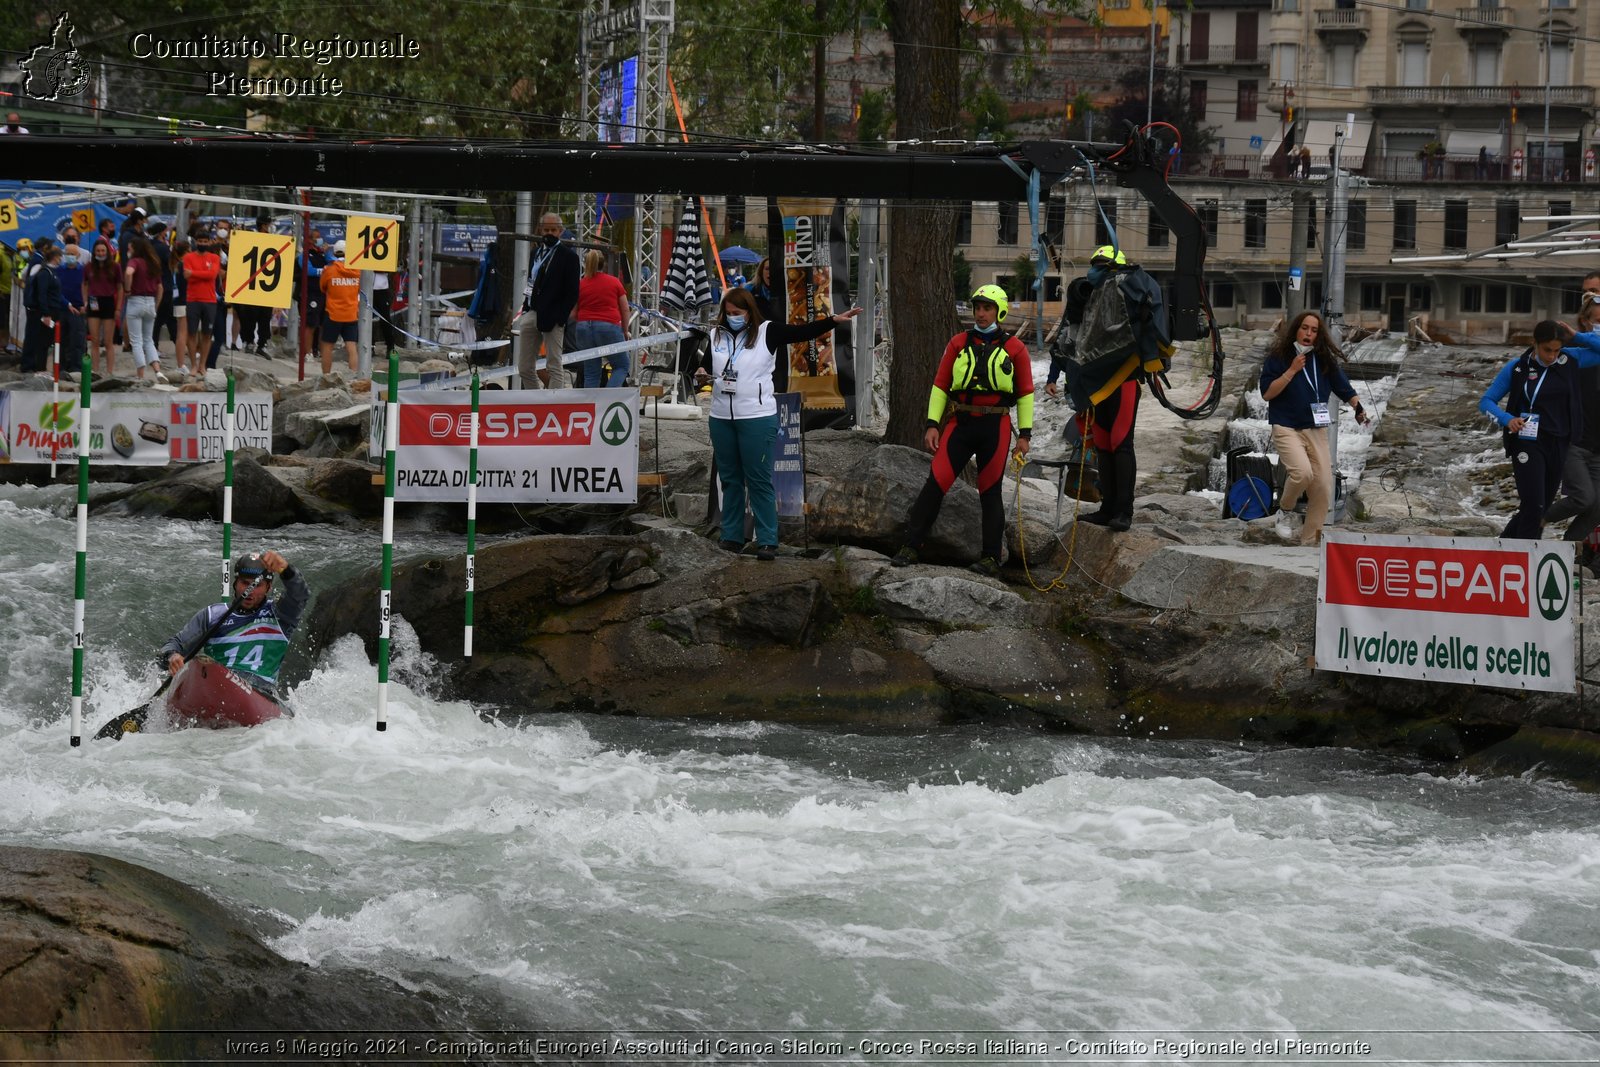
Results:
739 254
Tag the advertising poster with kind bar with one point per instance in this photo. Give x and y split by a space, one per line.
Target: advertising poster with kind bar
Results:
808 274
1473 611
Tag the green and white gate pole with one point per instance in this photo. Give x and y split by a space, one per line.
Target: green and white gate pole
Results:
80 579
391 439
227 494
472 513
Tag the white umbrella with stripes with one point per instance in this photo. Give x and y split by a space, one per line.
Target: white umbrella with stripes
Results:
686 285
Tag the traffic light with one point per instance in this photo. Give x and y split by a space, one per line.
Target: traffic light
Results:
1288 114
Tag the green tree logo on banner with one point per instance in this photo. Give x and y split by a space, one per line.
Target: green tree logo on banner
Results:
57 417
616 425
1552 586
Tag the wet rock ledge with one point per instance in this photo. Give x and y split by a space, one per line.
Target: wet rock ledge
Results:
105 961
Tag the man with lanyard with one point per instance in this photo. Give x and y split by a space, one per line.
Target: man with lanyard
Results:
251 635
550 299
983 372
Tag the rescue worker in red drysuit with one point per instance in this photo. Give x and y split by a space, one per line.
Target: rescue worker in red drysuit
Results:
984 372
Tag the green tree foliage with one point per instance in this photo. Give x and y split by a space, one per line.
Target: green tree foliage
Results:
1171 106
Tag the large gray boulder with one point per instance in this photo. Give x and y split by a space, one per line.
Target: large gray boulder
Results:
102 960
868 506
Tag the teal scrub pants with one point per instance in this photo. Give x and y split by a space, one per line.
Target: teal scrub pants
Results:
743 450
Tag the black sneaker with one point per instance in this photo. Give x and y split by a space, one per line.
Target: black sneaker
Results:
735 547
987 566
904 558
767 553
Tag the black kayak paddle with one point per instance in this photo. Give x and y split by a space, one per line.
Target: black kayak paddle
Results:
131 722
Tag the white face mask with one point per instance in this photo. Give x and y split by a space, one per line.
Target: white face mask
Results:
1300 349
736 322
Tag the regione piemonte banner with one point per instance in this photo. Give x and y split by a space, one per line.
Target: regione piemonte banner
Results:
1474 611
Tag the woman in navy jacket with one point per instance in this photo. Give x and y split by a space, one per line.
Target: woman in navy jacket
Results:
1301 371
1543 413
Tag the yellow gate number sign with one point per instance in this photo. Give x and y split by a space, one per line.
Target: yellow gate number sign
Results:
372 244
83 219
260 269
8 215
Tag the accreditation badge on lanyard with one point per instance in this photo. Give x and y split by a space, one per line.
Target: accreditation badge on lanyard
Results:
1319 410
1530 420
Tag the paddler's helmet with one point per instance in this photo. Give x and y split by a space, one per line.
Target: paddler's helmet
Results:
996 296
1109 254
250 566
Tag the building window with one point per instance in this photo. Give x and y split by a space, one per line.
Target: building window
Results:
1522 300
1255 224
1421 297
1405 224
1052 287
1055 221
1494 299
1197 99
964 223
1249 100
1007 230
1570 301
1222 294
1271 296
1285 63
1414 63
735 215
1486 65
1355 229
1156 227
1371 296
1559 207
1416 5
1314 293
1208 218
1506 220
1560 63
1455 224
1106 215
1342 66
1472 298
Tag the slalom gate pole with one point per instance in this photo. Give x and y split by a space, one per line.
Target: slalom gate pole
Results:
227 493
472 514
80 578
55 399
391 438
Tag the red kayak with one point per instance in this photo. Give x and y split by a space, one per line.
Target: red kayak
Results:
205 693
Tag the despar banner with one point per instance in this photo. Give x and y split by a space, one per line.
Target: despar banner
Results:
1471 611
566 446
816 274
136 429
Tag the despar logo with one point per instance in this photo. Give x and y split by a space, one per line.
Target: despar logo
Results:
500 426
1553 586
616 425
1462 581
55 70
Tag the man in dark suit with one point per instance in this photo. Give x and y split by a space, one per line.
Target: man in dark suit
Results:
550 299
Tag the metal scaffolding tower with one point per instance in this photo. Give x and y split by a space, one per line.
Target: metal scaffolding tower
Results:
612 35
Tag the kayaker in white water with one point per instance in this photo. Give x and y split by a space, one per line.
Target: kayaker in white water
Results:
250 635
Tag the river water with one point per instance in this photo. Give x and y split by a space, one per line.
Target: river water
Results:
686 881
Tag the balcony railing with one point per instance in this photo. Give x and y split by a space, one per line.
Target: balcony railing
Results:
1396 167
1479 95
1343 19
1485 16
1221 53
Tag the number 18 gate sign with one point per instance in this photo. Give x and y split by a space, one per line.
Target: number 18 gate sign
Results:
1474 611
575 446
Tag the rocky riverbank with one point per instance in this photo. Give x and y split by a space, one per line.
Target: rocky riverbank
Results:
1190 625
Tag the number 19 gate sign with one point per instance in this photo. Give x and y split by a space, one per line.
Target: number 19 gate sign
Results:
573 446
1474 611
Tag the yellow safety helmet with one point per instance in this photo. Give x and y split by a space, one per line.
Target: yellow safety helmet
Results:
1110 254
24 245
996 296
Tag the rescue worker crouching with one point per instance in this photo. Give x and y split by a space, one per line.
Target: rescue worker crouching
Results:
983 373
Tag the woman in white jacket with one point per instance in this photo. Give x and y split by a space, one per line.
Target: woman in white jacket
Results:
746 375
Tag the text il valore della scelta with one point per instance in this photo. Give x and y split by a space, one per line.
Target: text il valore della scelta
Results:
285 48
